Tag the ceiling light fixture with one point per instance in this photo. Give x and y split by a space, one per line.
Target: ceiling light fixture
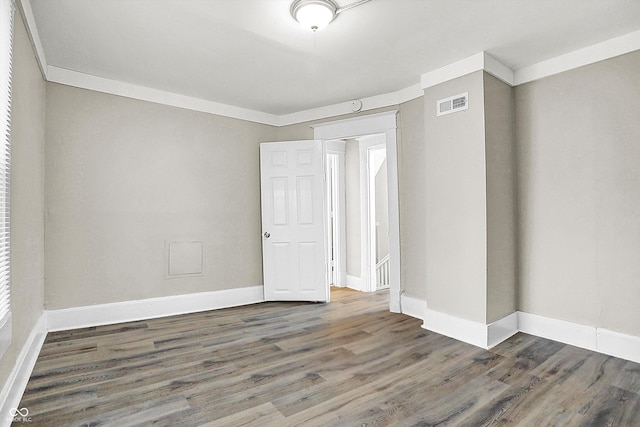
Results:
317 14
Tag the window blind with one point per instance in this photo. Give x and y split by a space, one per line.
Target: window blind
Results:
6 43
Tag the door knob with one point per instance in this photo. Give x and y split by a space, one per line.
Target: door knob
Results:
267 234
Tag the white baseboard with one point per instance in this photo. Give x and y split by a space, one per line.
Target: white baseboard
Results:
128 311
502 329
17 381
589 337
354 282
618 345
487 336
411 306
558 330
395 306
468 331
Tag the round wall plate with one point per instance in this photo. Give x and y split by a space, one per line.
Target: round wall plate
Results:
356 105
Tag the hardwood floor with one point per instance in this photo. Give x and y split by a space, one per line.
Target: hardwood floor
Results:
347 363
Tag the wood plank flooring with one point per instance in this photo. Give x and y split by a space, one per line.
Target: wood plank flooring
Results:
346 363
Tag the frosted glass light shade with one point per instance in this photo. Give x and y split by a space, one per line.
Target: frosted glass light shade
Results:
313 14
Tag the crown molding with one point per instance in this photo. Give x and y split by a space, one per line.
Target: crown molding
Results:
369 103
480 61
477 62
32 30
589 55
128 90
483 61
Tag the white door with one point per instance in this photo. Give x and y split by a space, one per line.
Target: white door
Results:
293 238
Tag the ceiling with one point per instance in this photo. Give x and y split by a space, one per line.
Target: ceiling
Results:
252 54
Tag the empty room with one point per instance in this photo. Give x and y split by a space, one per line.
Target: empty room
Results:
320 212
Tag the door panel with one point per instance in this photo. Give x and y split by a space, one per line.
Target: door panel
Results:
280 200
293 244
305 193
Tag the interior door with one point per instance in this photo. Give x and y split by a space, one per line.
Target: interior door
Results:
293 238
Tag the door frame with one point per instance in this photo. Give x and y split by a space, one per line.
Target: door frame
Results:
385 123
367 144
338 148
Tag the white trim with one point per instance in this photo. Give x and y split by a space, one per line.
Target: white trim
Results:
384 122
129 311
16 383
410 93
34 37
128 90
354 282
497 69
483 61
477 62
589 337
368 103
502 329
479 334
452 71
394 220
618 345
468 331
598 52
367 212
411 306
356 126
558 330
338 148
487 336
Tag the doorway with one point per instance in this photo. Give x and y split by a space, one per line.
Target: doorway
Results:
377 215
373 194
383 127
357 213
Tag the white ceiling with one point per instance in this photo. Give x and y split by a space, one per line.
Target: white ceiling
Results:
252 54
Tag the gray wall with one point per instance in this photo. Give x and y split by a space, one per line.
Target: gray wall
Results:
27 196
501 198
455 197
578 159
411 183
470 206
124 176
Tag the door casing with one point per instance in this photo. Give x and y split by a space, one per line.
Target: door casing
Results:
380 123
